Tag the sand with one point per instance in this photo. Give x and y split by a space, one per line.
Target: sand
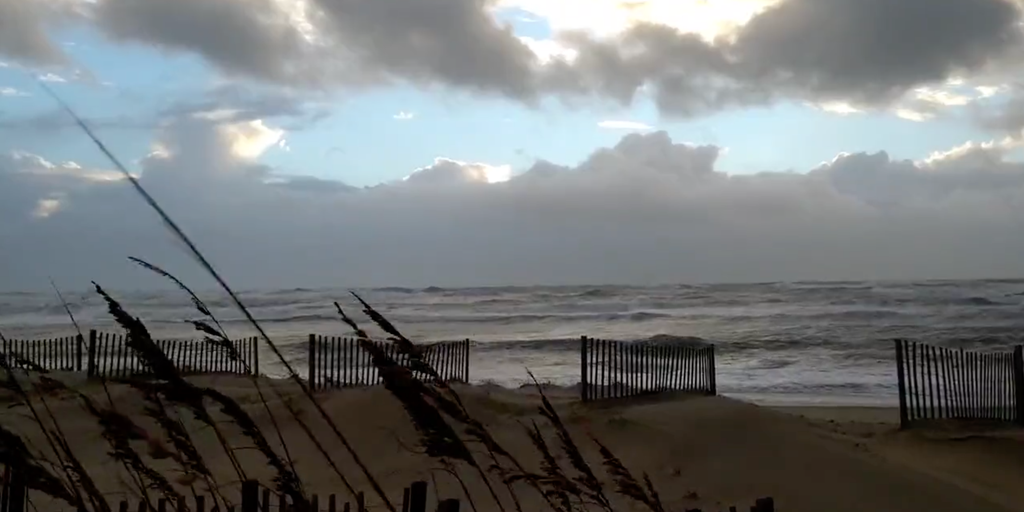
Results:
699 451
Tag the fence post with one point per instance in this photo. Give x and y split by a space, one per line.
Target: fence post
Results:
584 385
466 362
901 379
311 361
418 497
1018 382
91 361
5 488
713 388
79 341
16 492
250 496
255 356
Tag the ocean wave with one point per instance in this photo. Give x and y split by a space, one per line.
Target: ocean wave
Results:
573 344
598 292
978 301
853 314
400 318
395 289
772 363
633 316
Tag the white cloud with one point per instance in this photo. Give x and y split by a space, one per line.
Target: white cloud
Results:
709 19
624 125
251 139
52 78
987 91
838 107
11 92
404 116
913 115
549 50
942 97
46 207
448 172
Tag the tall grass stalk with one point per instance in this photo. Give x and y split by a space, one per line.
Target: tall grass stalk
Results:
427 405
75 474
208 267
220 338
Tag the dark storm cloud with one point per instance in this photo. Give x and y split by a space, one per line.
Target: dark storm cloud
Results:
869 52
23 35
246 37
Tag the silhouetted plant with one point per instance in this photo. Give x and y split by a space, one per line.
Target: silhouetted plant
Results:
430 405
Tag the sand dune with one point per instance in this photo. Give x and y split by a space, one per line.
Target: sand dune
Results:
699 451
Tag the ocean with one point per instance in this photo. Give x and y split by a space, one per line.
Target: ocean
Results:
795 343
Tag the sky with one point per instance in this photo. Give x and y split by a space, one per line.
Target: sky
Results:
307 143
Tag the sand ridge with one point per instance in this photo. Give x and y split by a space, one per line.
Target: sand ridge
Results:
699 451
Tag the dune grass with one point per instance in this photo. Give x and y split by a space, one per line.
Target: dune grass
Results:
445 428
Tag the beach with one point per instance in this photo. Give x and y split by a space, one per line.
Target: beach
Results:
708 452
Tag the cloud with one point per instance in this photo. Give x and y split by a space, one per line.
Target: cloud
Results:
691 58
11 92
613 17
645 210
23 35
331 42
448 172
404 116
624 125
799 49
52 78
232 102
1004 114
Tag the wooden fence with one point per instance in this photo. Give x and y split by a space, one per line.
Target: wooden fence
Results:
937 383
340 362
107 355
617 369
59 354
255 498
110 356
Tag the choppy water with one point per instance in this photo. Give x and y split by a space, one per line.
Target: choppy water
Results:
777 342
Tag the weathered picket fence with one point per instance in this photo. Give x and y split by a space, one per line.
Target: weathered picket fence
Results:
340 362
106 354
939 383
620 369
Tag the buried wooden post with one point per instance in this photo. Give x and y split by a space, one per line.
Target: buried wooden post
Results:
1018 383
250 496
91 362
583 368
311 362
712 377
418 497
465 355
901 379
